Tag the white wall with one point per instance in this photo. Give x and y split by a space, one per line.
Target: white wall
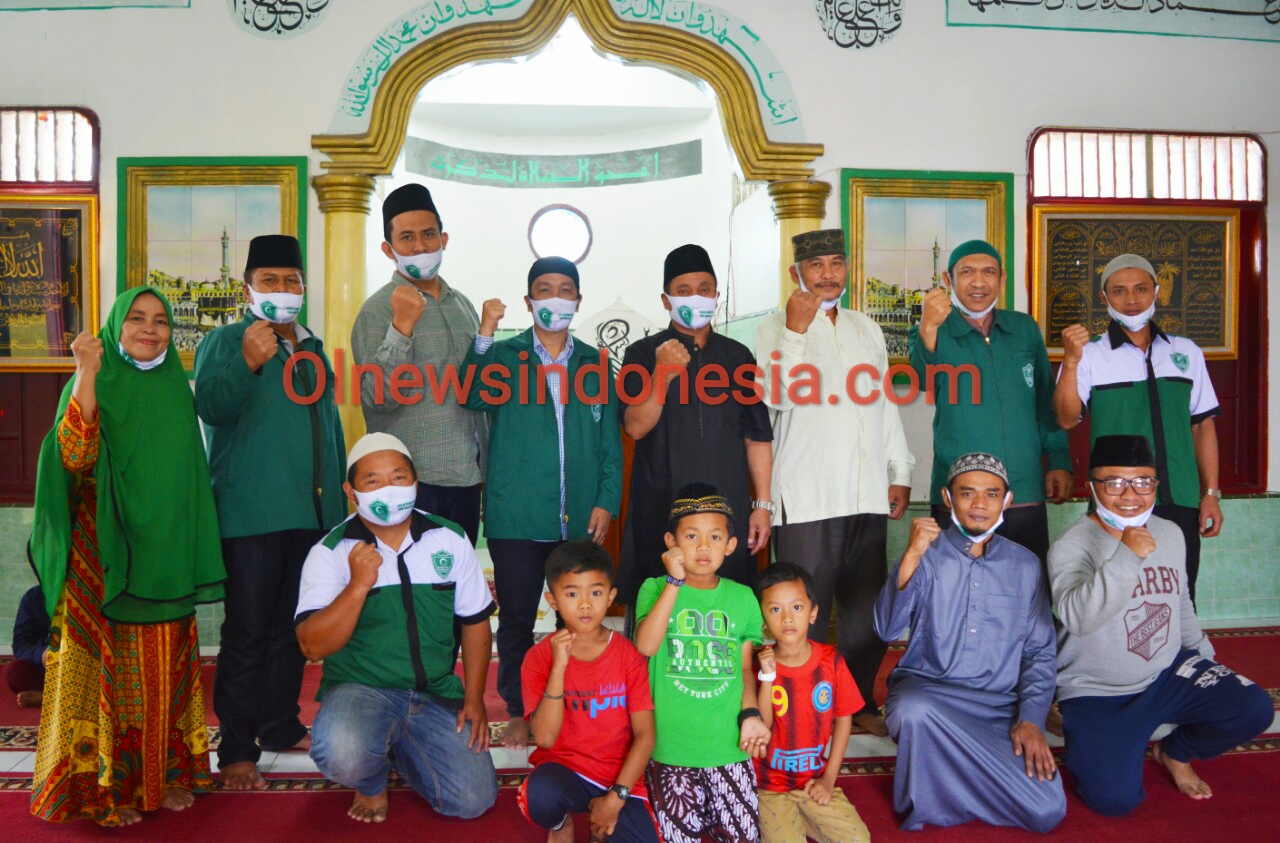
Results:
185 82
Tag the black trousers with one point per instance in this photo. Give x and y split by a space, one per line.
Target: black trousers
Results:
1188 520
519 575
460 504
259 677
846 557
1024 525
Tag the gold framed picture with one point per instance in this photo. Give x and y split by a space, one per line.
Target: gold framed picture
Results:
48 278
1195 252
901 226
185 226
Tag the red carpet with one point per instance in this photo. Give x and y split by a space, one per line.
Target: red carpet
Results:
1242 810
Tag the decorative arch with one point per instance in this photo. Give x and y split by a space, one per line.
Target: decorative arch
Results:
347 186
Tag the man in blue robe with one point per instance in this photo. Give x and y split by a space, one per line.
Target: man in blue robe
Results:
968 700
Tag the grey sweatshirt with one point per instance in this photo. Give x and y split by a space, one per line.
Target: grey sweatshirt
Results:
1123 618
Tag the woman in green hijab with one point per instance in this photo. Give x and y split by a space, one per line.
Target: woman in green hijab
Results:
125 545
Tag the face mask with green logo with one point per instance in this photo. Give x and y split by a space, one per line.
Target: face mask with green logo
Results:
388 505
141 365
554 314
693 312
279 308
421 267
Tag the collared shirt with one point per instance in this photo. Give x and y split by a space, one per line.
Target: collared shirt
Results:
449 444
976 622
1159 394
300 334
1013 415
403 638
831 460
552 364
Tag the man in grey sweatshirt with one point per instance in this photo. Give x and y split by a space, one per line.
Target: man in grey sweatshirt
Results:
1131 654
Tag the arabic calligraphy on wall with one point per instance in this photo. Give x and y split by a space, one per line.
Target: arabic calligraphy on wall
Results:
727 32
277 19
859 23
1250 20
500 169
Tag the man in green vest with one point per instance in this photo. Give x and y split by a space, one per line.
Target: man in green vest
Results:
1012 415
555 466
276 467
1139 381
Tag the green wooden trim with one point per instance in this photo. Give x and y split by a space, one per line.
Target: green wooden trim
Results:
1010 258
298 162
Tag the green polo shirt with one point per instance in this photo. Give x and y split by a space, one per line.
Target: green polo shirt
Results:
1013 417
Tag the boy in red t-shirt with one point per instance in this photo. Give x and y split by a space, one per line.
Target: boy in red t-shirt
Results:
587 693
807 696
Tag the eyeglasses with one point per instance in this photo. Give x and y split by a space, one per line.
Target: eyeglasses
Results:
1117 485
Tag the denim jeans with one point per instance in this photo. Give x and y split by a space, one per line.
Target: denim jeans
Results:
361 732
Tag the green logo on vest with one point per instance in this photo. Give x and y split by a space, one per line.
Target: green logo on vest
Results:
381 510
1180 360
1028 374
443 562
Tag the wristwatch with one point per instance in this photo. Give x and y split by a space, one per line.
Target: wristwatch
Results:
770 506
624 792
1217 493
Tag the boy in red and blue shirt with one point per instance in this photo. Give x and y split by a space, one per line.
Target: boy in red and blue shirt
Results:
586 691
807 696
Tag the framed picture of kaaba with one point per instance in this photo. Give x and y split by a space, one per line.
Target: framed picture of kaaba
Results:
185 226
48 278
1194 251
901 226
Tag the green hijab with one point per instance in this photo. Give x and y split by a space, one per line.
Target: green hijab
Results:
157 526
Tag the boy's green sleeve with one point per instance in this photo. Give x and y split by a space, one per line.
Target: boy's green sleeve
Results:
754 630
650 591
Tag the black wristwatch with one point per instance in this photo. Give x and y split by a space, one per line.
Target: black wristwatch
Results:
624 792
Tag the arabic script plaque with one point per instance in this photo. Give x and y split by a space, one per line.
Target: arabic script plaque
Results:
1194 254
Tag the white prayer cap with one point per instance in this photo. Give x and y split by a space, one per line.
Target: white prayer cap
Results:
371 442
1127 262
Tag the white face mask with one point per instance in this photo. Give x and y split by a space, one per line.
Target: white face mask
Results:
825 305
280 308
692 312
972 314
421 267
553 314
388 505
148 365
1116 521
1133 323
983 536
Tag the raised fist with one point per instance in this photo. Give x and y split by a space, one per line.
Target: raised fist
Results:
259 344
673 559
672 353
1074 339
924 531
88 353
364 560
491 313
407 306
801 308
1139 540
937 307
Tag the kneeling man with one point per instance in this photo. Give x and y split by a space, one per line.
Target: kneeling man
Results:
378 601
1131 653
968 700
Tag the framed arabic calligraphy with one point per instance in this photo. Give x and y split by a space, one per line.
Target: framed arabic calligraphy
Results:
184 226
48 278
1195 252
901 226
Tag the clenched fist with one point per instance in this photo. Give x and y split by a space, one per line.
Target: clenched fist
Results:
673 559
801 308
1074 339
561 647
407 306
674 356
364 560
924 531
937 307
1139 540
88 353
259 344
491 313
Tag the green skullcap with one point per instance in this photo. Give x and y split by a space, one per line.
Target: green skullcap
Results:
973 247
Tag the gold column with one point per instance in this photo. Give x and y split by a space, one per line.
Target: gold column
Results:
344 201
799 206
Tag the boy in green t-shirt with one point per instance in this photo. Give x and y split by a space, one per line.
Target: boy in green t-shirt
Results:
699 630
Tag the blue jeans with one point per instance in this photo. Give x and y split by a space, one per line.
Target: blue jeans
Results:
361 732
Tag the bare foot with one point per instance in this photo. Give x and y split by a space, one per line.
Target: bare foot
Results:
368 809
129 816
1183 776
30 699
1053 723
177 799
563 834
242 775
871 721
516 735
